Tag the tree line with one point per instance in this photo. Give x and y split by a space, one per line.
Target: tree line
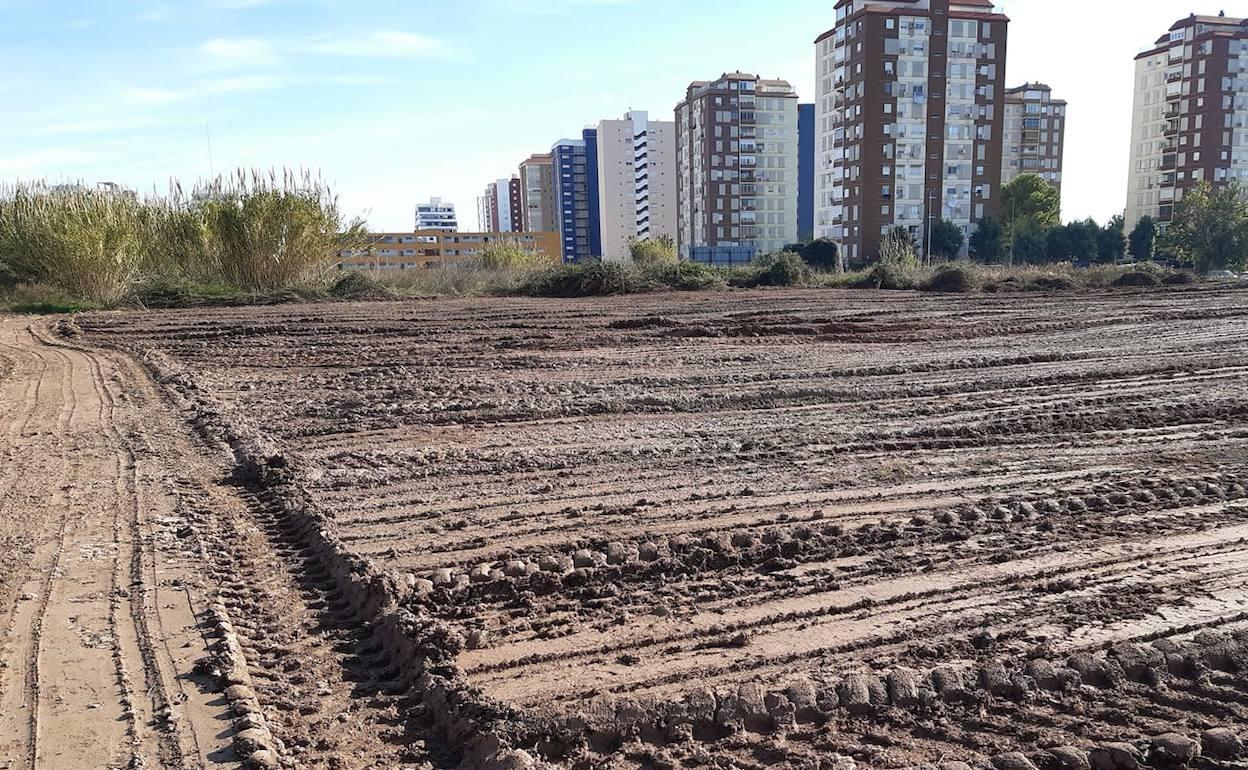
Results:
1208 231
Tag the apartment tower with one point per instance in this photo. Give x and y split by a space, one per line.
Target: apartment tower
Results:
1190 121
737 152
436 215
1035 134
576 197
636 181
537 194
806 172
499 210
909 111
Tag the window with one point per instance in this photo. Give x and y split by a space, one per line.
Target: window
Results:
890 24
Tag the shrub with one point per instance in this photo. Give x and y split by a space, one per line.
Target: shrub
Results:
358 285
950 278
87 243
684 276
165 293
890 277
266 235
1178 278
1138 278
1049 283
783 269
593 280
510 255
653 251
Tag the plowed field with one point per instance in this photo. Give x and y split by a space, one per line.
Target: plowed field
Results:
740 529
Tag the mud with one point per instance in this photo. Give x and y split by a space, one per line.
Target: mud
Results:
777 529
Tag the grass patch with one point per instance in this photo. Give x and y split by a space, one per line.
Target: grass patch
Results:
26 299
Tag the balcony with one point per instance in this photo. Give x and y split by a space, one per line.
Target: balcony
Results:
1169 162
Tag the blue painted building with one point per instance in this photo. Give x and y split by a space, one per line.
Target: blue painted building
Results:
576 197
806 172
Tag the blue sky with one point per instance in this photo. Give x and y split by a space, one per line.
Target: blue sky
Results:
394 101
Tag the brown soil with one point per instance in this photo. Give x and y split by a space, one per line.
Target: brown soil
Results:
766 529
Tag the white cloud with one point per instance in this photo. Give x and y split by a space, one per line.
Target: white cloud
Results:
154 96
249 83
241 52
382 45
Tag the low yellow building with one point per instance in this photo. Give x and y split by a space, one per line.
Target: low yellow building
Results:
429 249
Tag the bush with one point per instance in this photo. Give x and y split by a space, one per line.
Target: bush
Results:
594 280
684 276
783 269
265 235
358 285
1178 278
510 255
1138 278
653 251
889 276
87 243
166 293
950 278
1049 283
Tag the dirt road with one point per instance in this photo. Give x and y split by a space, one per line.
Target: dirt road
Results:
137 583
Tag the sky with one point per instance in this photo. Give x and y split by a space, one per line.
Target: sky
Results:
395 101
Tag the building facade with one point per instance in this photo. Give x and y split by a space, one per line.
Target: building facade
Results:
500 208
435 248
436 215
636 182
737 152
1035 134
537 194
1190 118
576 197
806 172
909 113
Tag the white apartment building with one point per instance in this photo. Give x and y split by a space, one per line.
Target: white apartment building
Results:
908 119
436 215
636 181
1190 118
738 158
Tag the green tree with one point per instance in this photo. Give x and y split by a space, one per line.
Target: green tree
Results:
653 251
1083 240
988 241
1057 246
1111 241
1210 228
821 254
1030 199
947 239
1144 239
1029 243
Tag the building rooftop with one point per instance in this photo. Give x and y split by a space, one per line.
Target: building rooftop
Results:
1220 20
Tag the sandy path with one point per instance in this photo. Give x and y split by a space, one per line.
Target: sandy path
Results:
98 634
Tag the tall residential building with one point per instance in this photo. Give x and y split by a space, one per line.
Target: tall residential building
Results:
636 181
806 172
537 194
910 107
436 215
737 149
576 197
487 210
1035 134
1190 122
500 209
